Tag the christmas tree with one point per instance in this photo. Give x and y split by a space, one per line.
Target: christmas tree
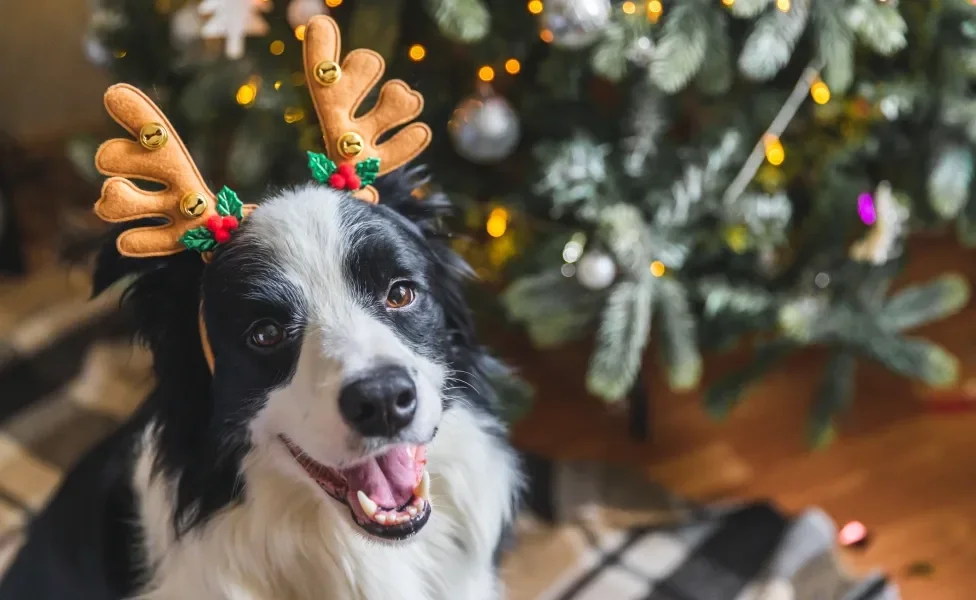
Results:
730 171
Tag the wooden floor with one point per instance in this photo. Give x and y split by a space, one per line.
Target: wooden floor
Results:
907 473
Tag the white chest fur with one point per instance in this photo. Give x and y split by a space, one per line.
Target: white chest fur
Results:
287 541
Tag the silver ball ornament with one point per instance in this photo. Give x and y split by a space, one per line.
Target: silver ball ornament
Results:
575 23
300 12
484 129
596 270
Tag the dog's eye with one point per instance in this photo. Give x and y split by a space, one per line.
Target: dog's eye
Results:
400 295
266 334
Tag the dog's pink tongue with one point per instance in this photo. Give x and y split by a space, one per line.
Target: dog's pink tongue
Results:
389 479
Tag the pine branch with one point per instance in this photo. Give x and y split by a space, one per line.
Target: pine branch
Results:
681 50
553 308
950 179
834 396
879 25
621 340
678 338
716 74
725 394
835 44
918 305
747 9
770 45
915 358
461 20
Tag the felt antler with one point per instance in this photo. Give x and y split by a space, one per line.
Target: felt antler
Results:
195 217
351 142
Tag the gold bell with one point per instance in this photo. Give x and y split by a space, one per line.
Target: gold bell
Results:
193 205
327 72
350 144
153 136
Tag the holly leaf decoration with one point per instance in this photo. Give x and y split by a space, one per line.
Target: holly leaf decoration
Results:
200 239
367 170
321 167
228 204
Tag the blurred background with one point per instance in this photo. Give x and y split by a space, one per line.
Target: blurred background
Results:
727 243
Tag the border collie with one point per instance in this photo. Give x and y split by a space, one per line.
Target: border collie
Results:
346 447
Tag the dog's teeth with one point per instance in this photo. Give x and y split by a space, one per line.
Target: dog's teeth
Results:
380 518
369 507
402 518
419 503
423 488
412 511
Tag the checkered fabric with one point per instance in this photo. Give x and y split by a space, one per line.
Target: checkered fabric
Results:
68 376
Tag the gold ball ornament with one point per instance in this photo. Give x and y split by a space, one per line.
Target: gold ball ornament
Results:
350 144
153 136
327 72
193 205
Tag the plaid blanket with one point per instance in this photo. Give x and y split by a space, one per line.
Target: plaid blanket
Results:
68 376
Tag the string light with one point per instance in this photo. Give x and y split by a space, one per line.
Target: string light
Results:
546 36
728 3
246 94
654 11
535 7
497 222
333 3
512 66
629 7
657 268
775 153
486 73
820 92
277 47
294 114
277 85
120 53
417 53
300 33
783 5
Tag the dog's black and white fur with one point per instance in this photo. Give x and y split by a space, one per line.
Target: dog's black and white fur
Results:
199 498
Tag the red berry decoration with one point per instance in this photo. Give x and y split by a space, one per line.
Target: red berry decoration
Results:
214 223
346 170
353 182
230 223
338 181
222 236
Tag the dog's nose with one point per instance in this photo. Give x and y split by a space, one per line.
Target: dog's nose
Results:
381 403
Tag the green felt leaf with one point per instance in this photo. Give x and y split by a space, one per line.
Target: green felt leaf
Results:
228 204
199 239
321 167
367 170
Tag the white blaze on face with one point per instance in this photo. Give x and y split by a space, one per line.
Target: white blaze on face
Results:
308 235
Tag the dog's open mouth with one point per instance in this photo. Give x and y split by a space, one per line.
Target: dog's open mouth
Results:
388 495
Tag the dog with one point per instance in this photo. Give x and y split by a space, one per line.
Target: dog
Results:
346 445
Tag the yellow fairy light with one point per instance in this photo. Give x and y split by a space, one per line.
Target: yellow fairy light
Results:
728 2
512 66
783 5
486 73
277 47
120 53
820 92
629 7
333 3
417 53
300 33
546 36
535 7
737 238
775 153
277 85
657 268
654 10
246 94
294 114
497 222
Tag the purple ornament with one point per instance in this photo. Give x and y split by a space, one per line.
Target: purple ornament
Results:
865 209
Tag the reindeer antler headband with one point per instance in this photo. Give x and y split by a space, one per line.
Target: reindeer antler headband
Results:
196 218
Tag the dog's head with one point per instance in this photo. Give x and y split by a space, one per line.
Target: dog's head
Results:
339 335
